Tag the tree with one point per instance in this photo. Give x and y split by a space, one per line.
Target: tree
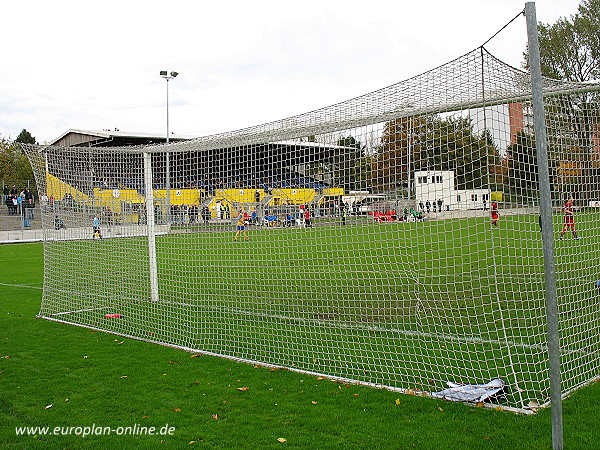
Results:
431 143
522 177
351 166
570 51
13 162
25 137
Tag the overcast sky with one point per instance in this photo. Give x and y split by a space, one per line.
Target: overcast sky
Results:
95 65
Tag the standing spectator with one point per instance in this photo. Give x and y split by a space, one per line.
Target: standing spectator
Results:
205 214
257 196
440 202
29 209
44 202
421 206
9 204
5 193
19 205
428 206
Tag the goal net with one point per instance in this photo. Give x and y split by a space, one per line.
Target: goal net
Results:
392 239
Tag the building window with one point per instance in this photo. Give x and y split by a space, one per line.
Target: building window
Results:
473 197
422 180
458 199
439 178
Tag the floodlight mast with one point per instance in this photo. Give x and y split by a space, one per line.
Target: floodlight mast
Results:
164 74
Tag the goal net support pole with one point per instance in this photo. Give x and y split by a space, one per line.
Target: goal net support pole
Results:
546 221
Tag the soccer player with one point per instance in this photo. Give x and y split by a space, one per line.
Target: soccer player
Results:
307 222
494 211
241 226
569 219
96 224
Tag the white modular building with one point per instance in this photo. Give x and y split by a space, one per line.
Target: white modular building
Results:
433 186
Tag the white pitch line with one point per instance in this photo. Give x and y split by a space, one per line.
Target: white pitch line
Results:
21 286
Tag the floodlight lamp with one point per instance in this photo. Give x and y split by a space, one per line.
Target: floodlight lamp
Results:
163 73
174 74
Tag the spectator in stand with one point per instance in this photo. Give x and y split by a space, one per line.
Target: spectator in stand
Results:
44 202
29 209
9 204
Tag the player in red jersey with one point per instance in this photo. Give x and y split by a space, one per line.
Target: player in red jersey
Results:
494 212
569 219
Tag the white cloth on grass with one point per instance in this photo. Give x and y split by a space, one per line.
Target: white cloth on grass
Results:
471 392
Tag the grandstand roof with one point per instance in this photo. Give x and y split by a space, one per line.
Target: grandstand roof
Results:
111 138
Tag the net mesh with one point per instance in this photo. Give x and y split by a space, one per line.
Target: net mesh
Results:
392 239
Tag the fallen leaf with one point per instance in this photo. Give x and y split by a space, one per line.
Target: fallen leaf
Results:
86 357
177 409
49 406
125 376
356 395
145 417
191 442
6 357
273 370
66 399
243 388
320 378
282 440
314 403
488 437
397 401
479 404
171 362
215 416
440 409
197 355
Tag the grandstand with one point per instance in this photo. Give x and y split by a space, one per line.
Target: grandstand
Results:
265 177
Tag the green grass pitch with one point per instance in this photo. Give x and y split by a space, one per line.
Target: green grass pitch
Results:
406 305
58 375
